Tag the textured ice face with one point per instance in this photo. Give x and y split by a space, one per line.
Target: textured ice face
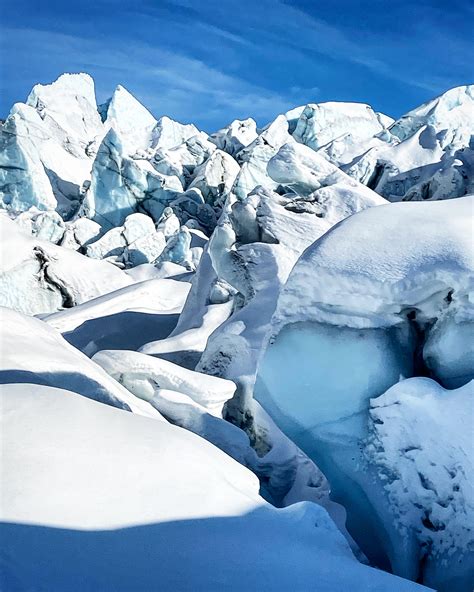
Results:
235 136
23 181
121 185
421 445
359 313
321 123
429 154
130 119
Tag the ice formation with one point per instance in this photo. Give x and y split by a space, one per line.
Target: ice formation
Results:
253 292
382 296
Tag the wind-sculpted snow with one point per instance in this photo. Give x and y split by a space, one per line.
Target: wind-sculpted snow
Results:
28 349
384 295
115 501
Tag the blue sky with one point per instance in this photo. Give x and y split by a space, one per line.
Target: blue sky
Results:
211 61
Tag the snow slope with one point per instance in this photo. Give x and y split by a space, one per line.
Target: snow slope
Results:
191 518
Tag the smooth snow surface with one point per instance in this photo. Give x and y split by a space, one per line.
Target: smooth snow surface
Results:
106 507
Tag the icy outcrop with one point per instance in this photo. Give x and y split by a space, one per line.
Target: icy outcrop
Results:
79 233
254 158
53 137
23 180
430 154
129 118
450 115
48 226
182 160
215 177
245 263
168 133
40 277
355 316
234 137
120 186
316 186
421 445
135 242
68 108
322 123
177 249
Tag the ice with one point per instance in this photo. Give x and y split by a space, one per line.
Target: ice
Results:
180 490
421 444
121 185
126 318
255 289
134 243
40 277
254 158
142 375
215 177
48 226
382 296
321 123
23 180
235 136
177 248
130 119
181 160
168 133
429 155
68 106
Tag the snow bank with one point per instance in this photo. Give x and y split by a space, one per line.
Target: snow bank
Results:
191 518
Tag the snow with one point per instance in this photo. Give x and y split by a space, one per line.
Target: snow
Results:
320 123
130 119
28 347
421 443
215 177
254 293
168 133
235 136
429 153
134 243
126 318
23 180
119 185
65 478
143 374
39 277
382 296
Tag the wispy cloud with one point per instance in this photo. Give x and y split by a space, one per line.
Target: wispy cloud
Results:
165 81
213 61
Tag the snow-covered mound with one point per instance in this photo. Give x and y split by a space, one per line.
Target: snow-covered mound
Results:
384 295
427 154
421 444
126 318
34 352
39 277
159 507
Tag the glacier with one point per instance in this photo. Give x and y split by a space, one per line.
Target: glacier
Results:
259 338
